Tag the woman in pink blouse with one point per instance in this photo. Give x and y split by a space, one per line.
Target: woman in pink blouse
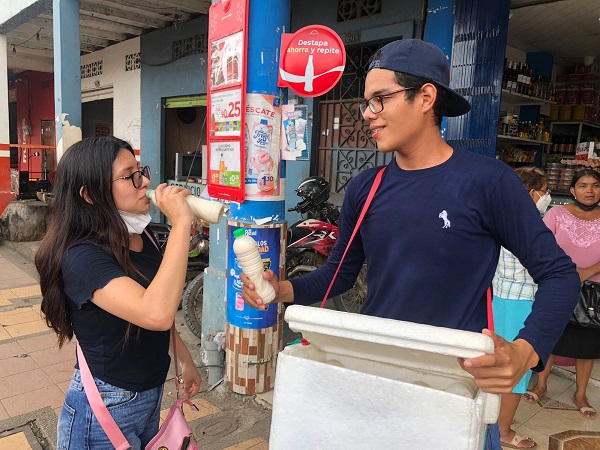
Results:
577 230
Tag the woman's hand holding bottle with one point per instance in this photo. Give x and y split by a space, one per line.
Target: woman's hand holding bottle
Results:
171 200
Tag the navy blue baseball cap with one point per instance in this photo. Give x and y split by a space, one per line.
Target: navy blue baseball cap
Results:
422 59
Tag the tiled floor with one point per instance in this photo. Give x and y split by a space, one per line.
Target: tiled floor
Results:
35 374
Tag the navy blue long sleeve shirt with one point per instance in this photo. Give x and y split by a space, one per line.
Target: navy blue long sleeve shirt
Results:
431 240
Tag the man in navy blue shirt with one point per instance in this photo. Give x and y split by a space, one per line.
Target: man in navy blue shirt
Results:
432 235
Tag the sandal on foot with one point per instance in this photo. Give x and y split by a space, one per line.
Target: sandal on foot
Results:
586 411
532 397
519 441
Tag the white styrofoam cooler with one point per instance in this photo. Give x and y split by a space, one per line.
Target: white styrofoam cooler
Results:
371 383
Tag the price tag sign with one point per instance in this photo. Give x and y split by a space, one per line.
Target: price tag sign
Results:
226 113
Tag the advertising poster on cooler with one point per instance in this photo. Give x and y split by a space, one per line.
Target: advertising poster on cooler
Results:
225 163
226 113
262 136
294 134
238 313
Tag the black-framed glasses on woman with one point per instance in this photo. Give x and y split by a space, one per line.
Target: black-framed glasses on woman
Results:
375 103
136 177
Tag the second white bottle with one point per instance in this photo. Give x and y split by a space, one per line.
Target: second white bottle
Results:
246 250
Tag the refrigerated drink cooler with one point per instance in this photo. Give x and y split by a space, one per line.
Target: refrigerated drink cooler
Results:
371 383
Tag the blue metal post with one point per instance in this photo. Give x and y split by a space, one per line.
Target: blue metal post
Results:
267 20
67 66
439 30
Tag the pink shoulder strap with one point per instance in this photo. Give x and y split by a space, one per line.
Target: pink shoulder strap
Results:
110 427
356 227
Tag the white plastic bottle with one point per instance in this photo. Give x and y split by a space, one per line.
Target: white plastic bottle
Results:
208 210
246 250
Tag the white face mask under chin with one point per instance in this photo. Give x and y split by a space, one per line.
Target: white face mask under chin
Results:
136 223
543 202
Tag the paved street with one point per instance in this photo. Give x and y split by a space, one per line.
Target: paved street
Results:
34 375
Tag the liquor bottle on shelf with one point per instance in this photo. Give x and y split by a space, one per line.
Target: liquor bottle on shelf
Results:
529 81
556 147
512 77
523 79
572 144
518 78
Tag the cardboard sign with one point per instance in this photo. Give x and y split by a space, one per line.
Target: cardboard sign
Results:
312 60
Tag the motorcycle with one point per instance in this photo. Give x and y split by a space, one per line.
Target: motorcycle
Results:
311 240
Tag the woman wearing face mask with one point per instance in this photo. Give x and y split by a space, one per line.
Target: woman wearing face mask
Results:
104 280
514 292
577 230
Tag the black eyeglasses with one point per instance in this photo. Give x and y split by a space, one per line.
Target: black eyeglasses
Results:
375 103
136 177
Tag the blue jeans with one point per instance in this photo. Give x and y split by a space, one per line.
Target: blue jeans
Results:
493 441
136 413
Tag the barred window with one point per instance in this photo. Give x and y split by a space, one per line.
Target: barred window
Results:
91 70
189 46
354 9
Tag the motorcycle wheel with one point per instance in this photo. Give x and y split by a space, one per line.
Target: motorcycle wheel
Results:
193 298
353 299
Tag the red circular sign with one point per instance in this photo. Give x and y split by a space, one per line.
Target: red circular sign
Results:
312 61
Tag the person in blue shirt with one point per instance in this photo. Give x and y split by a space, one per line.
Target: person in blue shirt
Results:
433 233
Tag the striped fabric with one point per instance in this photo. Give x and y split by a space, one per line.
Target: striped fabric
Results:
511 280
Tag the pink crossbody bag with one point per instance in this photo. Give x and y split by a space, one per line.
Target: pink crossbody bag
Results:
174 434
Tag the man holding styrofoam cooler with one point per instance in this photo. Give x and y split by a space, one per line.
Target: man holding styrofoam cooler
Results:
431 239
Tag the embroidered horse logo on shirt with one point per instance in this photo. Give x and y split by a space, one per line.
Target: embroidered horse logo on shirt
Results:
444 216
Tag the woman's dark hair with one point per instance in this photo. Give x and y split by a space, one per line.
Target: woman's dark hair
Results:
531 177
584 173
416 83
86 169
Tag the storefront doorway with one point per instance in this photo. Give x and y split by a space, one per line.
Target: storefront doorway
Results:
185 139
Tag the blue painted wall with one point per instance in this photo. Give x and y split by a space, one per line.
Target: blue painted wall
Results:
480 30
439 30
160 79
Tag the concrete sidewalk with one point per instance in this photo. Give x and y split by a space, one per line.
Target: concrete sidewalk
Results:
34 375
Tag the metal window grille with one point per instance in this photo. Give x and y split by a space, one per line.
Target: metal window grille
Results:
355 9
